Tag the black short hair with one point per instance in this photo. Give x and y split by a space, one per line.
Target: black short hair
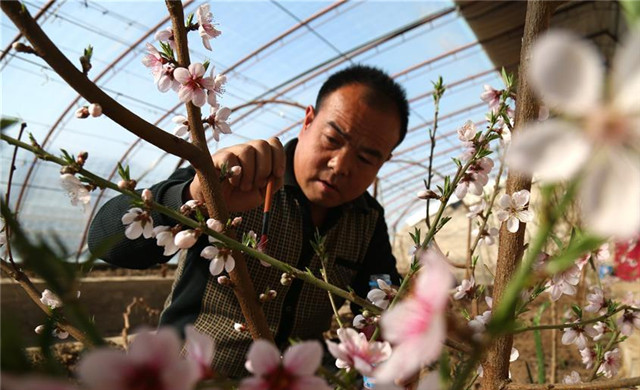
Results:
384 90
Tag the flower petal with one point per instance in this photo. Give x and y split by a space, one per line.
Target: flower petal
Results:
513 224
552 150
567 72
610 194
625 78
263 356
181 75
303 358
216 266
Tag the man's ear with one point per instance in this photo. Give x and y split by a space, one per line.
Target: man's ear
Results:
309 115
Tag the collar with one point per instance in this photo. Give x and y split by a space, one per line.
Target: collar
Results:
360 203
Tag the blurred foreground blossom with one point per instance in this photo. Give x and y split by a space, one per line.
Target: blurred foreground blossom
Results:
293 371
416 326
50 299
199 349
153 362
600 135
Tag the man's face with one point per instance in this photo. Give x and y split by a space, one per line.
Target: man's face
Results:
341 148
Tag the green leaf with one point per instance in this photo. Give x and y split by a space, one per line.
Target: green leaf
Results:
538 342
580 245
7 121
631 9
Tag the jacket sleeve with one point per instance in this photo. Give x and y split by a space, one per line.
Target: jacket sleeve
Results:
379 259
106 238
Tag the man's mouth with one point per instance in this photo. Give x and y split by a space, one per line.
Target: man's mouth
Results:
328 185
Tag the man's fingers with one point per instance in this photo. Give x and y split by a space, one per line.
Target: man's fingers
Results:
263 163
247 158
278 158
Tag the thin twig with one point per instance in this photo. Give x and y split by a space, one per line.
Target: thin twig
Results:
33 293
12 168
600 385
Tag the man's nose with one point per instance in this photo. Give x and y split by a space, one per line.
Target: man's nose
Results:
341 163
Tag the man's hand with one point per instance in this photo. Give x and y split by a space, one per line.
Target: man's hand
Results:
260 161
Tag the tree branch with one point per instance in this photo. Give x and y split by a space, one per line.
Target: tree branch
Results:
48 51
208 175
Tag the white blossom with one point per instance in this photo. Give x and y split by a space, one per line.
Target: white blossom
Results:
138 223
76 190
50 299
465 289
512 210
164 238
185 239
611 363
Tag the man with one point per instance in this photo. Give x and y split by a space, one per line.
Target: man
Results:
321 179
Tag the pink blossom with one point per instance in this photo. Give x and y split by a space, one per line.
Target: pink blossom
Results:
146 195
360 321
164 238
383 295
492 97
166 35
627 321
199 349
154 61
416 326
206 29
219 82
138 223
475 178
512 210
293 371
152 363
218 121
193 84
589 356
167 80
355 352
572 379
33 382
575 335
611 363
564 282
220 259
479 324
597 139
599 329
185 239
597 301
465 289
467 132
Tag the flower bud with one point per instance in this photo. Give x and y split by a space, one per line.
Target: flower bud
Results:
235 171
39 329
122 184
185 239
427 194
224 281
238 327
22 48
82 112
236 222
147 196
82 158
268 296
286 279
95 110
61 334
215 225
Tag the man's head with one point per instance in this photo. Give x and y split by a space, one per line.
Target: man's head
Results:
361 114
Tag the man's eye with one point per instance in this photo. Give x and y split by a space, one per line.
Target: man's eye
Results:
331 140
365 160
